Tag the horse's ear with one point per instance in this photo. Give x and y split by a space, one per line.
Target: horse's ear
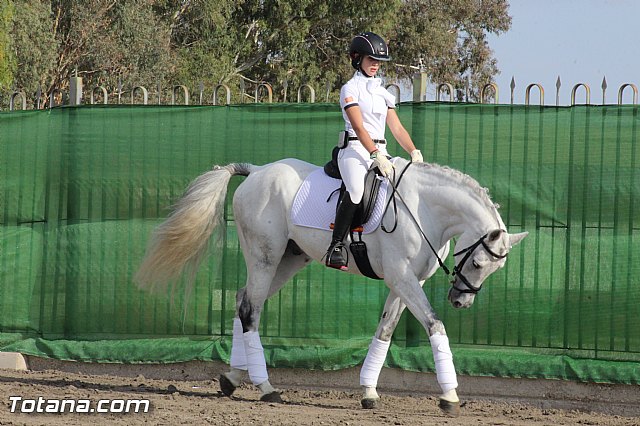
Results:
495 235
516 238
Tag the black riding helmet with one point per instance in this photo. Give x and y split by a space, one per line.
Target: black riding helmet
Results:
368 44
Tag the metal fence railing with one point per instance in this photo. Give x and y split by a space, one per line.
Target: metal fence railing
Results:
255 92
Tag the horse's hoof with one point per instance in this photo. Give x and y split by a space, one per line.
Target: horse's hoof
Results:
272 397
226 386
451 409
369 403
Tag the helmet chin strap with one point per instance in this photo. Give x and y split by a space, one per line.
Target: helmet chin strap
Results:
363 71
357 64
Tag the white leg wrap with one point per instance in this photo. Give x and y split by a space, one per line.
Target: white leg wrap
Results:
238 357
445 371
255 357
372 365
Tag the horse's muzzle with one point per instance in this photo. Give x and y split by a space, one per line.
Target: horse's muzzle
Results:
458 299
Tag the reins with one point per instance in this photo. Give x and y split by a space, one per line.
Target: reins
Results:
394 191
457 269
395 209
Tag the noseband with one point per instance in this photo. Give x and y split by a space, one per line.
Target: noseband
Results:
457 270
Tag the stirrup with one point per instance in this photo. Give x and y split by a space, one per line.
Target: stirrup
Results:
335 259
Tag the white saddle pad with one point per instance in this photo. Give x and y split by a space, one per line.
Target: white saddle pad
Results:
311 209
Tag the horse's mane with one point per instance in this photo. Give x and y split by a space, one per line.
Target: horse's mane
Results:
449 174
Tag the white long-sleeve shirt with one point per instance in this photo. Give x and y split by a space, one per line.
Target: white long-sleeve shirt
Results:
373 100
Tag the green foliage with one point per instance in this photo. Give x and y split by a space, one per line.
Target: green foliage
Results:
34 45
7 58
447 39
233 41
104 40
305 41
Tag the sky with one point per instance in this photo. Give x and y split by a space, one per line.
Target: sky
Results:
581 41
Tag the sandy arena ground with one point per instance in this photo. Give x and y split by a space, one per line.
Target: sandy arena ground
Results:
184 402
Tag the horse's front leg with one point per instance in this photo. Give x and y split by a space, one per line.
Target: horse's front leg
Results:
410 291
370 371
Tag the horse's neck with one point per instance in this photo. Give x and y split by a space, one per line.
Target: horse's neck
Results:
461 202
467 214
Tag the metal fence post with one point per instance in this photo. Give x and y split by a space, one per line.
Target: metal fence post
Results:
227 91
587 93
75 89
447 86
267 86
174 94
12 100
419 87
312 93
52 97
99 89
397 90
143 90
483 92
635 92
528 93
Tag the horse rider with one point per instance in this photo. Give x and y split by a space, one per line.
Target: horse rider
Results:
366 108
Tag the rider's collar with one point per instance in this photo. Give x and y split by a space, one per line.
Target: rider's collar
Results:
371 82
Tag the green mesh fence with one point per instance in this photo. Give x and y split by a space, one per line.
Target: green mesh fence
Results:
82 188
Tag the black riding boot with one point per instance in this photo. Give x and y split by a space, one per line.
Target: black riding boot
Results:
344 216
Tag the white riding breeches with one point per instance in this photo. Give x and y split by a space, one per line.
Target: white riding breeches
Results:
354 162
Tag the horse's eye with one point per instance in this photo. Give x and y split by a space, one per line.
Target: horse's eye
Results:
476 265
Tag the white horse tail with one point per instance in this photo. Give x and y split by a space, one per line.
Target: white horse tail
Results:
179 244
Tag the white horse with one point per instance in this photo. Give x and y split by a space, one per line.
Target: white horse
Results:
437 204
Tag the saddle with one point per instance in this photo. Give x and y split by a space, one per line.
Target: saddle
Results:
361 216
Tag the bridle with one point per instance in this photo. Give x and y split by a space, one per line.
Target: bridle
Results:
457 269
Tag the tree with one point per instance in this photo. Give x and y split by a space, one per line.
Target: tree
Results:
104 40
7 60
34 45
302 41
234 41
298 41
447 39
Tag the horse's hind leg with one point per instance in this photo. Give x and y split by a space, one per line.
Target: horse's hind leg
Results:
378 349
292 261
230 380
